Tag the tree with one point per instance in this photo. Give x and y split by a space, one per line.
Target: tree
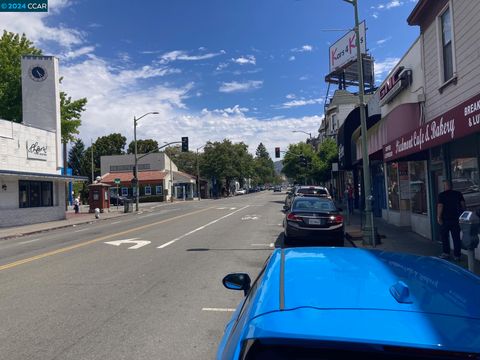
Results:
75 156
143 146
227 162
113 144
327 154
12 47
264 168
185 161
301 163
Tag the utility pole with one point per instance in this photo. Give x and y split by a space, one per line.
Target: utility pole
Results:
368 230
91 147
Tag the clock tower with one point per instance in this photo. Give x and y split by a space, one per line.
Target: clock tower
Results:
41 96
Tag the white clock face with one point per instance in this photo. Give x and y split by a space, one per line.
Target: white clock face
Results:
37 73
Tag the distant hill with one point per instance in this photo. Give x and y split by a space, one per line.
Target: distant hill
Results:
278 166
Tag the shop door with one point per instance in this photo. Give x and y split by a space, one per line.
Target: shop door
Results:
436 177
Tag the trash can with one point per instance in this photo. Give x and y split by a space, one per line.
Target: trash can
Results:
128 205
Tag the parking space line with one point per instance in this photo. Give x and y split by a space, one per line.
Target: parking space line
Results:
218 309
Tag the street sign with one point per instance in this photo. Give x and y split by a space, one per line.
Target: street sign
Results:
117 181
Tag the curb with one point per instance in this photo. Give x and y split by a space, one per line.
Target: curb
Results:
57 227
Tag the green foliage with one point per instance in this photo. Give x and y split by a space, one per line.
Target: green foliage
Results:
227 161
292 166
143 146
75 156
185 161
264 169
71 112
12 47
318 164
112 144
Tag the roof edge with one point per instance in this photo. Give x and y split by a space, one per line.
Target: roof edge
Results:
413 18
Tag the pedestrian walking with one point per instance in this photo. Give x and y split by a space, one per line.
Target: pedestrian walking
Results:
76 205
350 198
450 205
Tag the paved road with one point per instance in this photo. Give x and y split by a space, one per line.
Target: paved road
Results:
67 294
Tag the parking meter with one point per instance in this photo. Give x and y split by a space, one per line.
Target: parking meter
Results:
469 223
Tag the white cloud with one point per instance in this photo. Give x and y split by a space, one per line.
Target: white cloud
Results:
382 68
183 55
303 78
393 4
375 15
383 41
300 102
291 58
222 66
304 48
72 54
244 60
35 28
290 96
234 86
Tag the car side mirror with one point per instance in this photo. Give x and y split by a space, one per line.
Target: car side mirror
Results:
237 281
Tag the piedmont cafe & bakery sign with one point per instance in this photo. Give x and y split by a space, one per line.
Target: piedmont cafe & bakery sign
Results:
458 122
36 150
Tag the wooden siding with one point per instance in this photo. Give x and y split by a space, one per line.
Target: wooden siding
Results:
467 56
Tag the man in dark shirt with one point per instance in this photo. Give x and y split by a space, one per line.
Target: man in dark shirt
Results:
450 205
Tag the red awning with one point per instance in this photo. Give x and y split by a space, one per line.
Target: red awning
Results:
458 122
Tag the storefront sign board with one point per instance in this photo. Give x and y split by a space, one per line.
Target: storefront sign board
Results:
458 122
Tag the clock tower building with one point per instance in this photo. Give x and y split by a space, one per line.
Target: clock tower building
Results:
41 96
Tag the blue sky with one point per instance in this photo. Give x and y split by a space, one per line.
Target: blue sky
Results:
250 70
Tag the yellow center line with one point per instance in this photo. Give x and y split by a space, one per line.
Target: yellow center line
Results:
72 247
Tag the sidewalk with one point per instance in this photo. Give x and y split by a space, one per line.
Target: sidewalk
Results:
398 239
72 219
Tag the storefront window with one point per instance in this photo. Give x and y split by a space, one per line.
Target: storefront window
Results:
418 187
392 186
464 169
148 190
35 193
158 190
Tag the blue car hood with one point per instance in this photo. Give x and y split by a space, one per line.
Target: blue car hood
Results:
348 278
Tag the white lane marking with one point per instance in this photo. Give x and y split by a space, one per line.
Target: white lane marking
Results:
272 245
28 241
218 309
116 222
260 244
139 243
250 217
81 230
221 208
199 228
232 208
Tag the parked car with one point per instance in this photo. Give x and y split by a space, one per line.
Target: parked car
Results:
114 198
277 188
313 219
319 191
240 192
350 303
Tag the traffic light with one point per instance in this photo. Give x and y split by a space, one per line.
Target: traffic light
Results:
185 144
303 161
277 152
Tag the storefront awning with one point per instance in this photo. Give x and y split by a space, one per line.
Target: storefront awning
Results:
458 122
42 176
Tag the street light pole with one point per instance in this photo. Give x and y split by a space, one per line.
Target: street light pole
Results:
309 134
135 172
198 173
368 230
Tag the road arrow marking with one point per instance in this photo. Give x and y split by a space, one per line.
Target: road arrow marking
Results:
250 217
139 243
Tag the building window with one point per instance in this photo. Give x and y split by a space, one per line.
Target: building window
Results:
418 187
35 193
446 34
158 190
148 190
123 168
393 187
465 172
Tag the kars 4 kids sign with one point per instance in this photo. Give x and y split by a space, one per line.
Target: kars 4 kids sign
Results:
345 49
